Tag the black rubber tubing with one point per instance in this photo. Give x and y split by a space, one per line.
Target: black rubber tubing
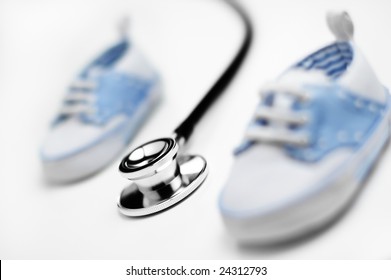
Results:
185 129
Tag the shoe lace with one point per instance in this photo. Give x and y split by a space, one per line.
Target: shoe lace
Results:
279 118
80 100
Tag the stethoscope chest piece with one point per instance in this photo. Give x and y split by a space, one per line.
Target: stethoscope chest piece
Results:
160 177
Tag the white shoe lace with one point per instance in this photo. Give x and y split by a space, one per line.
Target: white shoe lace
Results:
80 100
280 118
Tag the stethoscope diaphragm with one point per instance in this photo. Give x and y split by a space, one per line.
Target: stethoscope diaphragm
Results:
160 177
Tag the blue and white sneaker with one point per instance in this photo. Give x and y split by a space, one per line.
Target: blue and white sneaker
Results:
101 112
315 136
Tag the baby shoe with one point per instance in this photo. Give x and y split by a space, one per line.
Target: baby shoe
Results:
315 135
103 108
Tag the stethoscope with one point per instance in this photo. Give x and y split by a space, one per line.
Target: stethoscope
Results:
161 174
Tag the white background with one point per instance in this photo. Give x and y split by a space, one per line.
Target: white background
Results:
44 43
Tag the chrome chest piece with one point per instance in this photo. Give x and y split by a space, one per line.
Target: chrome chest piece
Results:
160 177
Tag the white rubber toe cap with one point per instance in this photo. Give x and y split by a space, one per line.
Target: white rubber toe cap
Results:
265 185
72 137
74 150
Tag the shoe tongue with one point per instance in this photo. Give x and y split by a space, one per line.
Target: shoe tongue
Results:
359 80
297 78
